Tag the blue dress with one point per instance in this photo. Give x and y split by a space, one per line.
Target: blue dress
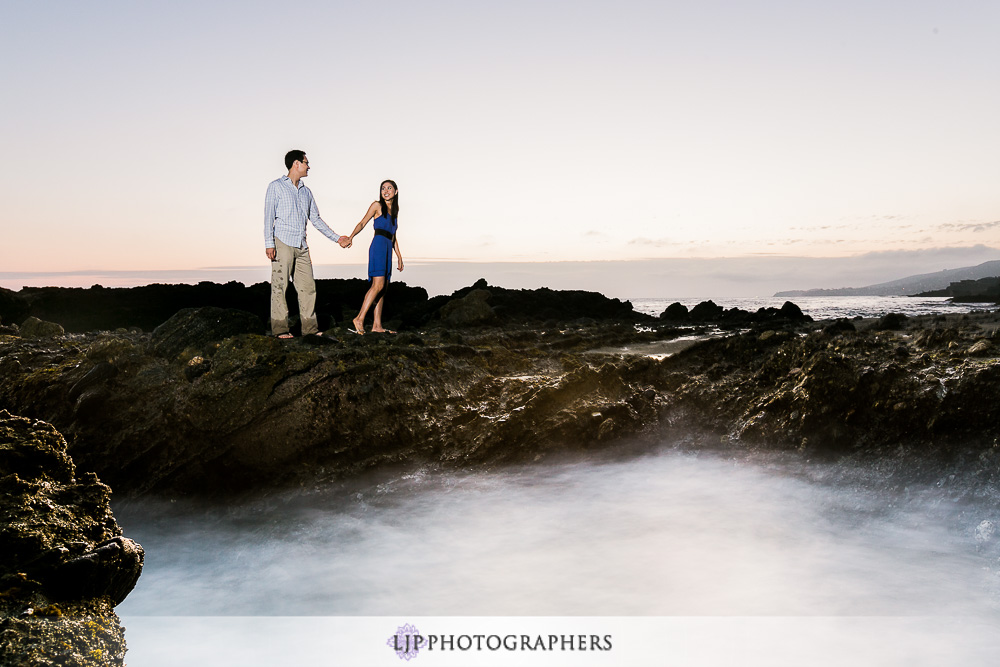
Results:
380 252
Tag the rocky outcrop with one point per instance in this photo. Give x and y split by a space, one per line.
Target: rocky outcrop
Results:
80 310
205 404
930 386
198 328
249 412
473 308
710 312
64 563
13 307
983 290
100 308
33 327
539 306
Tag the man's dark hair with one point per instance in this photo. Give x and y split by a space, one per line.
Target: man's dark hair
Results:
292 156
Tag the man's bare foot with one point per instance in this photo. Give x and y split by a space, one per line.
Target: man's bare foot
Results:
285 335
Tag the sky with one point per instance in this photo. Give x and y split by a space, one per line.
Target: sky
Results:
140 136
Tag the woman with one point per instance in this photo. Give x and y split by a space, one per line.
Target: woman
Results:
385 211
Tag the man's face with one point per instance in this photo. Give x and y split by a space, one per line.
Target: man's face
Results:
300 168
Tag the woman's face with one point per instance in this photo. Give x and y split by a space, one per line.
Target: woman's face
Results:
388 192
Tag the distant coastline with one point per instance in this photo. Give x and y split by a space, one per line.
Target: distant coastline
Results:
925 284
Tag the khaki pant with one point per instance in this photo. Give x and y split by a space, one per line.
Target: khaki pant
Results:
296 263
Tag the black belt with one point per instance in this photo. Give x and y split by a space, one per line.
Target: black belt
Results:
382 232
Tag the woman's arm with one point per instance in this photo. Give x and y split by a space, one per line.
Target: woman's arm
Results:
398 254
372 211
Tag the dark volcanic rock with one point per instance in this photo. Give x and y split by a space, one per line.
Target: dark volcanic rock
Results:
110 569
64 564
246 411
707 311
839 327
710 312
790 311
14 308
891 321
517 307
675 311
33 327
337 302
473 308
198 328
109 308
250 411
981 348
862 394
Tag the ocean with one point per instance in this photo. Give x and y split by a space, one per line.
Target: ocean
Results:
827 307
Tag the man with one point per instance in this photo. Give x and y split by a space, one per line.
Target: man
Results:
287 207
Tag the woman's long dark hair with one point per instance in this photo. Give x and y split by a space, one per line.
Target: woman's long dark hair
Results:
394 213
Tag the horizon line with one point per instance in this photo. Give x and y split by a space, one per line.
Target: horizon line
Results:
447 260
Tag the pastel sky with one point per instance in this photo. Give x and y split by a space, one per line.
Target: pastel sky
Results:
141 136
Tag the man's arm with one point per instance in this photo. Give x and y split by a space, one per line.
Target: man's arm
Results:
270 212
318 221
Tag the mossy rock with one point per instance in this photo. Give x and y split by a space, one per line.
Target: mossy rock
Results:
198 328
36 328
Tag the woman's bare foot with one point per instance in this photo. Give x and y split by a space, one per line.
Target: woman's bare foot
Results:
359 326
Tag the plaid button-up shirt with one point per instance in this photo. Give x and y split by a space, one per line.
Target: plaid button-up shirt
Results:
286 211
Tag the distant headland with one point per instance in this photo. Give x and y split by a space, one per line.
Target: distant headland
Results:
924 284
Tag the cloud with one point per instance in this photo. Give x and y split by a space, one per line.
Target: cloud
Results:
825 228
974 227
656 243
963 253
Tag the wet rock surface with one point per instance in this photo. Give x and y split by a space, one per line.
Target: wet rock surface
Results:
64 563
247 412
917 403
250 411
198 328
206 404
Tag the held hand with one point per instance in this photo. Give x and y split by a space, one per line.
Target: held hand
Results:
271 253
345 242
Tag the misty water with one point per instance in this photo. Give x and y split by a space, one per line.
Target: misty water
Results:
668 533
